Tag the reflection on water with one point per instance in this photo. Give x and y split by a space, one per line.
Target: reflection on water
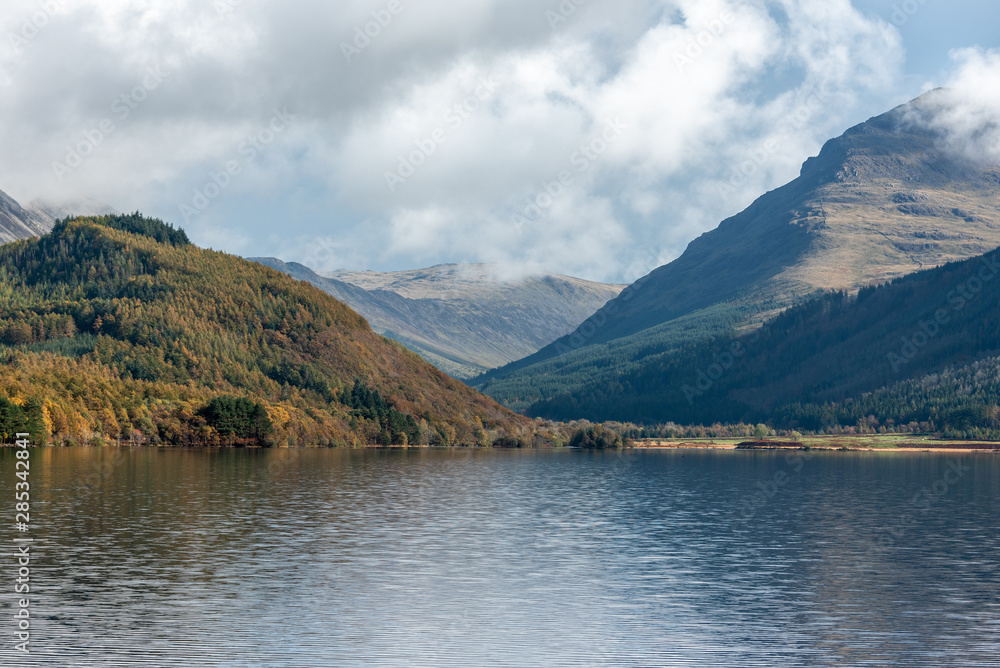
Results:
467 558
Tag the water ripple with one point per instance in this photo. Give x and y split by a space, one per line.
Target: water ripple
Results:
260 559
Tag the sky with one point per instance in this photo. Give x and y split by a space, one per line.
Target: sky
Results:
583 137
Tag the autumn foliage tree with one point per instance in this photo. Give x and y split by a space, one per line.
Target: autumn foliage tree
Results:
120 329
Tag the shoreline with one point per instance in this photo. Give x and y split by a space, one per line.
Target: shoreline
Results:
845 443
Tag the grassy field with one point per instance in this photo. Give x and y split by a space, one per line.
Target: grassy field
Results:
897 442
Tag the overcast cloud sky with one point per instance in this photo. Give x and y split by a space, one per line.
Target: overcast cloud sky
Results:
594 139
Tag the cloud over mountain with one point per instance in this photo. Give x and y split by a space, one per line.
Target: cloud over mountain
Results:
491 115
968 112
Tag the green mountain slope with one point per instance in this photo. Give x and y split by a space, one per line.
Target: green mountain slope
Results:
119 327
833 360
884 200
462 318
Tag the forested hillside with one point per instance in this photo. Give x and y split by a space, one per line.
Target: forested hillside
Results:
117 327
836 360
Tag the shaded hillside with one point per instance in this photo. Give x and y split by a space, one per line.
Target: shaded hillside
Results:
462 318
816 364
885 199
119 327
960 401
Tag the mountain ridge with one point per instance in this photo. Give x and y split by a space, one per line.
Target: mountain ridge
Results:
834 361
23 222
883 200
464 319
16 222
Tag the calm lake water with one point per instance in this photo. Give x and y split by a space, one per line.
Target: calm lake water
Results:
501 558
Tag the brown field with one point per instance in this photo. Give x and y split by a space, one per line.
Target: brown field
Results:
865 442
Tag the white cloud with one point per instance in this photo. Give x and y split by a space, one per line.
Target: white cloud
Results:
967 111
686 90
722 100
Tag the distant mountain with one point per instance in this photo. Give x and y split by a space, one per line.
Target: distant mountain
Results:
886 199
23 222
16 222
464 319
922 348
69 208
119 327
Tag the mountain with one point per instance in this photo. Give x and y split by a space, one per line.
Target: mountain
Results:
923 348
18 222
119 327
464 319
887 198
71 208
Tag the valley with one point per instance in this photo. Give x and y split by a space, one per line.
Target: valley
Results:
827 306
463 319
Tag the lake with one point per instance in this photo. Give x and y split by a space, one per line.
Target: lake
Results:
301 558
